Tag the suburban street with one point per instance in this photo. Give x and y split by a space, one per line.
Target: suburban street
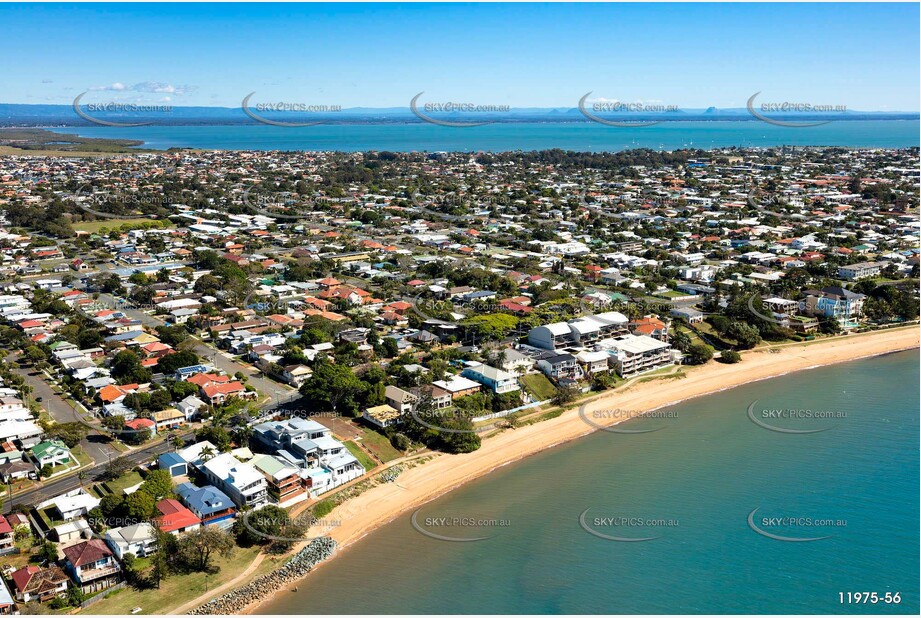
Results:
94 444
57 487
276 391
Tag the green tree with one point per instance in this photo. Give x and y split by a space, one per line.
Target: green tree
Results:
48 551
746 336
198 547
139 506
218 436
69 433
698 354
258 526
127 368
334 387
117 467
159 484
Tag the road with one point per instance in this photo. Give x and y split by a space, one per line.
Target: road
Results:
223 361
55 488
95 444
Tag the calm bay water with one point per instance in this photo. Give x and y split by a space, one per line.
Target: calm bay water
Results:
586 136
705 470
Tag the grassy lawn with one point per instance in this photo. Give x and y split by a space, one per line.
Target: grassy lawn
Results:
121 447
81 456
538 386
119 484
360 455
673 294
177 590
47 517
378 444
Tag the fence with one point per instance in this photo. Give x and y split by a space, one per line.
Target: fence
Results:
487 417
96 598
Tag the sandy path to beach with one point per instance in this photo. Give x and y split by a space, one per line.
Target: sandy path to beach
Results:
381 504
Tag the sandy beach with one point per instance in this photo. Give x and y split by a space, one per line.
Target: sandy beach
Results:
416 486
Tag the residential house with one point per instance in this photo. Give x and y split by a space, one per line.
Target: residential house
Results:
190 407
51 453
92 565
835 302
211 505
34 583
384 415
245 485
171 418
593 362
71 505
458 386
7 537
496 380
400 400
7 604
175 518
441 398
284 481
559 367
139 539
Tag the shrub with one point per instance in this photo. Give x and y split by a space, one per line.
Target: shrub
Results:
323 508
730 357
400 442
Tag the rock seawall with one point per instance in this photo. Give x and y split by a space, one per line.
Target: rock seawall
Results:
264 586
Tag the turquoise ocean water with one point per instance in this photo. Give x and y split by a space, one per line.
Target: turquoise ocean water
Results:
584 136
702 472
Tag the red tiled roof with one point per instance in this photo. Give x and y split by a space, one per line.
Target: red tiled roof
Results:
87 552
226 389
174 516
139 423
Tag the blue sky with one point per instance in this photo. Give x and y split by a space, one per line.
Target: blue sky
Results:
864 56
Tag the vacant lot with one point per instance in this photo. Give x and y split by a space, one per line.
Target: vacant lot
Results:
362 457
538 386
379 445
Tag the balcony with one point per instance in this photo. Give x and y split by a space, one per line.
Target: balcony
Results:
88 575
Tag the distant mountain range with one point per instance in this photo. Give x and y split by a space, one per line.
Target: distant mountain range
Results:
27 115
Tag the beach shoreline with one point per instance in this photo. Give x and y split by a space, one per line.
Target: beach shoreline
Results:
417 486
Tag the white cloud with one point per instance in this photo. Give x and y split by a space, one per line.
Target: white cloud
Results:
149 87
